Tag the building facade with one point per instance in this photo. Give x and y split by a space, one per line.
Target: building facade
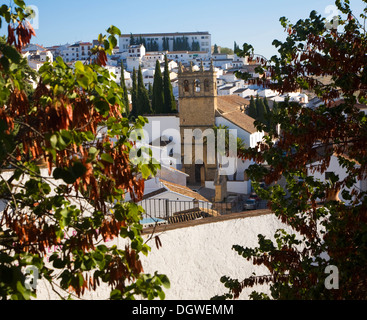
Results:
190 41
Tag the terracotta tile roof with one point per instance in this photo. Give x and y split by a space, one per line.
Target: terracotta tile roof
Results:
231 102
186 191
229 107
357 105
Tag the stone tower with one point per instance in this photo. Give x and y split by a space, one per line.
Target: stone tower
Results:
197 105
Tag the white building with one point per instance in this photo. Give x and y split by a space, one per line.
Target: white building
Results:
185 57
340 172
162 133
135 54
150 59
37 55
227 89
166 41
77 52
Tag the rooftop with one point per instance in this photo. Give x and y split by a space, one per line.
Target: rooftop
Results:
186 191
229 107
166 34
176 188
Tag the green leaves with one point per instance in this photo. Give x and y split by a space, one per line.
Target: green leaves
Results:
70 175
102 107
11 53
114 30
107 157
148 286
71 123
109 42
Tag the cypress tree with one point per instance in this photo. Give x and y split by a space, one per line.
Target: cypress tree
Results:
275 108
274 111
132 39
266 105
174 44
150 92
158 95
123 86
261 110
268 112
252 109
169 99
195 46
143 103
134 93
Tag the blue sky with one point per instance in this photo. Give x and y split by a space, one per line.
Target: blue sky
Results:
251 21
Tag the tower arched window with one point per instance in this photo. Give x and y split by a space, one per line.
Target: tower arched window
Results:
186 86
197 85
206 85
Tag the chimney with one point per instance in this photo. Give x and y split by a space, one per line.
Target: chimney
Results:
220 183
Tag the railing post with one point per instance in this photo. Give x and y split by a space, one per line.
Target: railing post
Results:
167 210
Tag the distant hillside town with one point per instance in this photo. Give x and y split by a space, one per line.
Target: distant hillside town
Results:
144 50
208 95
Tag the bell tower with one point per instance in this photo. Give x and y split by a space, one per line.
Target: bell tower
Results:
197 105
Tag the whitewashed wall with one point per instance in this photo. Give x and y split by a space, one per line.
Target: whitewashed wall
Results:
195 258
241 187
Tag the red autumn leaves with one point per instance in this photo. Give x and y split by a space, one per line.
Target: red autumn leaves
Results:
20 35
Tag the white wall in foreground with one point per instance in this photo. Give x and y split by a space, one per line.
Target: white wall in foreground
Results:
195 258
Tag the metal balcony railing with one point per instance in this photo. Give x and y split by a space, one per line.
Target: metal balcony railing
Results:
165 211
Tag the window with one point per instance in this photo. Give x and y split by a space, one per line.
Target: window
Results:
206 85
330 175
186 86
197 85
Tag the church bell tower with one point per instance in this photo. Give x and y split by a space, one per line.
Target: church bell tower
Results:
197 105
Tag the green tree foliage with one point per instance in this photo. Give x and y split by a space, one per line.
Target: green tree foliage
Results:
123 87
266 104
62 188
134 95
252 110
165 44
261 110
181 44
151 45
215 49
236 48
132 40
169 99
150 92
142 100
195 45
225 50
158 94
328 216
